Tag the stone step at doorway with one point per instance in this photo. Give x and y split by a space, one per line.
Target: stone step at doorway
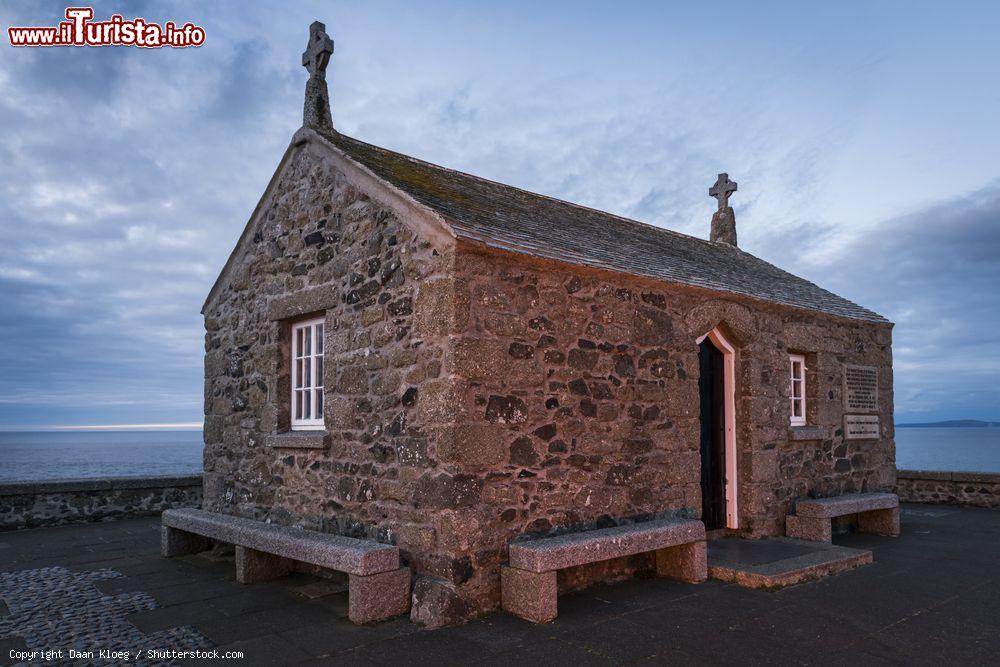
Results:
779 562
721 533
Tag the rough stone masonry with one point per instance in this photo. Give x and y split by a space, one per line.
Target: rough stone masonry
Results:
500 364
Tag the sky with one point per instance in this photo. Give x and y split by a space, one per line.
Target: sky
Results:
863 136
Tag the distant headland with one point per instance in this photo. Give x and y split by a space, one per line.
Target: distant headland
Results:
953 423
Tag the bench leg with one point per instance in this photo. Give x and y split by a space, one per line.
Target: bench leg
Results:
530 595
253 566
174 542
686 562
809 528
377 597
880 522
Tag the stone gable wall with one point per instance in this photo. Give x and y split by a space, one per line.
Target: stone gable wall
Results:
323 246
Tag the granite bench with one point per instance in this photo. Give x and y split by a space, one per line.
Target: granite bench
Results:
877 513
528 585
378 588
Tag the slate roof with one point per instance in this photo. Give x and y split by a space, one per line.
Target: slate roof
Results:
507 217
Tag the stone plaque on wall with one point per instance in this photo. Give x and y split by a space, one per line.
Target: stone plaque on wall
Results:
862 427
860 388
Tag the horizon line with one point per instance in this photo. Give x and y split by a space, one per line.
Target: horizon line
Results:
165 426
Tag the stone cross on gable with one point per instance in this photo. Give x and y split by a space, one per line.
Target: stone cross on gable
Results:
722 189
316 110
317 54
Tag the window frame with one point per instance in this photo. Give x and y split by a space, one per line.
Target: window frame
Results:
801 398
316 327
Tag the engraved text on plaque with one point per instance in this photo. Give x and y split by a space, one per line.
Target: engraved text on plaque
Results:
862 427
860 389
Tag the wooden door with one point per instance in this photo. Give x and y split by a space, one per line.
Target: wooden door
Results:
711 389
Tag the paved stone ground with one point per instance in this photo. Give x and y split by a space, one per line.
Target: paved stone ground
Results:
38 613
932 595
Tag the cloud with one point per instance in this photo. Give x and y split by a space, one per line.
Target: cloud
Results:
127 175
934 272
120 197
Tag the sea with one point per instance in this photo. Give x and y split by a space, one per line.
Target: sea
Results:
974 449
42 455
38 455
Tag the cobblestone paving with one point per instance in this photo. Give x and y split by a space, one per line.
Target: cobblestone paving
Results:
56 608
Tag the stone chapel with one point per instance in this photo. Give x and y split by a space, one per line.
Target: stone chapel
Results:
420 357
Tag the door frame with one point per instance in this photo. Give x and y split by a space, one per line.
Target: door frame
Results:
729 391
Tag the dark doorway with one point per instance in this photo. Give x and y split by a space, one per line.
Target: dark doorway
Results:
711 388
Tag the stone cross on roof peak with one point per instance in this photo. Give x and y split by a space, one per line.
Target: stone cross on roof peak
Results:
317 55
316 110
722 189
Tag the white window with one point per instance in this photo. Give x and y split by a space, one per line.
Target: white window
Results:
797 389
307 375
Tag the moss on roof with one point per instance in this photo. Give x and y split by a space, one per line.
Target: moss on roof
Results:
505 216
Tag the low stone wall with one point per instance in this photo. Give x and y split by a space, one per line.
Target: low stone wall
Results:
977 489
56 502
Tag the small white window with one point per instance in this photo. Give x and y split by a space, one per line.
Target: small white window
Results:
797 389
307 375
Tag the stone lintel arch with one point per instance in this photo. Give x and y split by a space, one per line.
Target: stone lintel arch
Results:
734 321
